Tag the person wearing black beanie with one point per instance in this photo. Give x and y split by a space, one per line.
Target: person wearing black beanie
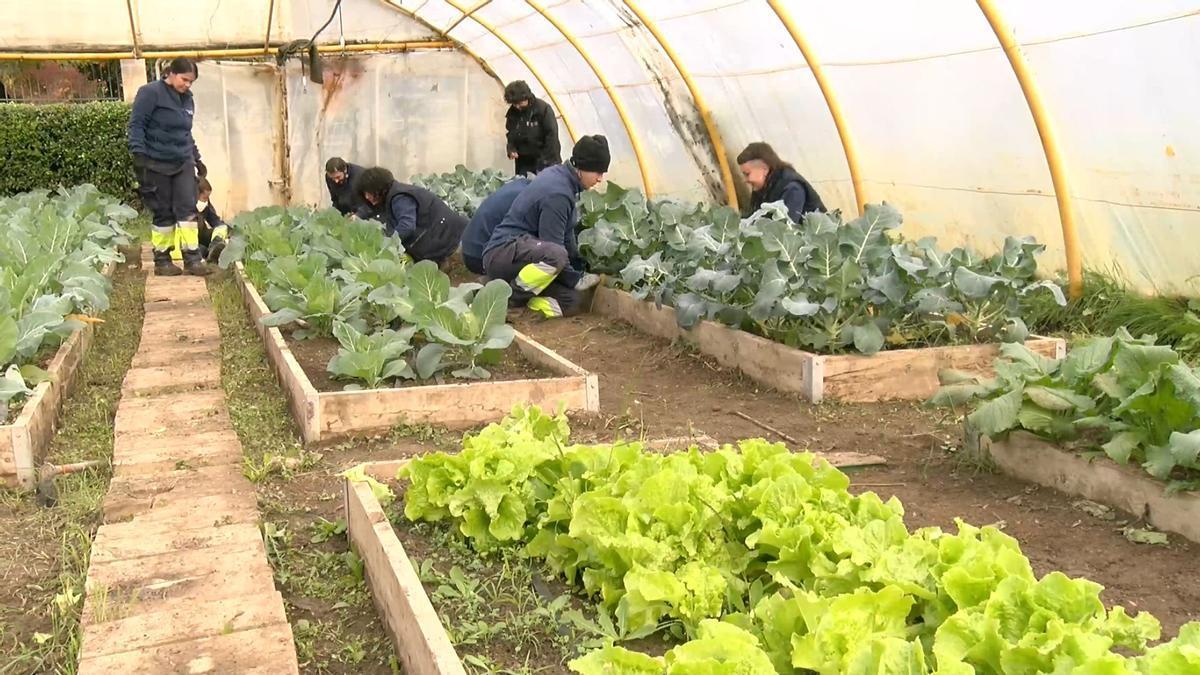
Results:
532 131
534 248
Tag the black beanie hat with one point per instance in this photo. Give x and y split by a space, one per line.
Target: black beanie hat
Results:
591 154
517 91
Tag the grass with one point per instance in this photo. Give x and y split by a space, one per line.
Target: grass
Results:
334 624
40 603
1108 303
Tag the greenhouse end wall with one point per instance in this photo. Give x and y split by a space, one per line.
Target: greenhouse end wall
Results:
411 113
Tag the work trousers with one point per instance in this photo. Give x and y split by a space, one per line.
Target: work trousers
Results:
169 191
532 267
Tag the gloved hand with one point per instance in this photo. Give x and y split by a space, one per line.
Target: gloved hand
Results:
201 170
587 281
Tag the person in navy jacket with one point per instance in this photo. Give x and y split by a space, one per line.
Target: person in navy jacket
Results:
427 227
167 163
774 180
531 247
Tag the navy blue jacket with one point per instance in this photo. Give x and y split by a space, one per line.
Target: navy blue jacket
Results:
789 187
546 210
428 228
488 216
160 124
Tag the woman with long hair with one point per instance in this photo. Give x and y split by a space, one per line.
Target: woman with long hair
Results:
773 180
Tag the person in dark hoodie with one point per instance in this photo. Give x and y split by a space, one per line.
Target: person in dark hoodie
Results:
771 179
427 227
339 178
532 130
532 247
492 212
167 162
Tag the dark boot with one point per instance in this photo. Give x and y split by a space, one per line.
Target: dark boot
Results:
214 250
194 265
163 266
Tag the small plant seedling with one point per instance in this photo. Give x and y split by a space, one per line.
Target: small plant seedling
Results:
324 530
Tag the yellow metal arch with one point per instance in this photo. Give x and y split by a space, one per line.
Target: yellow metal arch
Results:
638 152
467 15
710 125
831 101
484 24
230 53
1049 136
412 14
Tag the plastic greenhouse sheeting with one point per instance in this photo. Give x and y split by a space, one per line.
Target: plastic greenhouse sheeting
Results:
930 101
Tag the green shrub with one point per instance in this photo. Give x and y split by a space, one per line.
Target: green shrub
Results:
44 146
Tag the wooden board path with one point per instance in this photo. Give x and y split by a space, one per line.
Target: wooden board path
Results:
179 580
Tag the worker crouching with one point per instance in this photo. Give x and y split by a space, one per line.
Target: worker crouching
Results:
531 248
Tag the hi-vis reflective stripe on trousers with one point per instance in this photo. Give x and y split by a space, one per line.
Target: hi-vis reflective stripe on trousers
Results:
547 307
185 237
535 277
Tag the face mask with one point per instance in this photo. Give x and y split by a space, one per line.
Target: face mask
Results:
201 205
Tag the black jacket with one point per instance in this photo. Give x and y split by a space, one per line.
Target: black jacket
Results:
160 124
344 197
533 134
439 227
789 187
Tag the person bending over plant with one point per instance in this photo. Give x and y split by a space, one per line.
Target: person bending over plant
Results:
773 180
425 225
533 246
340 177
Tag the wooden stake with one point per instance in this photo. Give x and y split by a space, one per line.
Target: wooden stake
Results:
769 428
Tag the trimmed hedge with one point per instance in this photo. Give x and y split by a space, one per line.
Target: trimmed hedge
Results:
44 146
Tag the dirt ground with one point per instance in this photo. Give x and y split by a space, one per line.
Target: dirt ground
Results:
653 388
314 354
660 389
44 549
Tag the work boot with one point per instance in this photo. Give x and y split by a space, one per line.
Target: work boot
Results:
163 266
194 265
214 250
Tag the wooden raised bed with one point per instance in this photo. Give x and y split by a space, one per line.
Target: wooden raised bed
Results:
416 630
888 375
23 443
1128 488
325 415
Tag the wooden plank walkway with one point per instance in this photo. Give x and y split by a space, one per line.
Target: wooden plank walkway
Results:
179 580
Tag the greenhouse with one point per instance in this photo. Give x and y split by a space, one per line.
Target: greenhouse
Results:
599 336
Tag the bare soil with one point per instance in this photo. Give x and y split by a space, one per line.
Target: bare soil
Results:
314 354
652 388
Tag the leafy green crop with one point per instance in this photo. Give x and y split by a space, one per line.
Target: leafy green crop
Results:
51 255
764 562
1133 399
343 278
821 284
462 189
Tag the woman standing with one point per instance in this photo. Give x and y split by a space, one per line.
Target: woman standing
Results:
167 162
